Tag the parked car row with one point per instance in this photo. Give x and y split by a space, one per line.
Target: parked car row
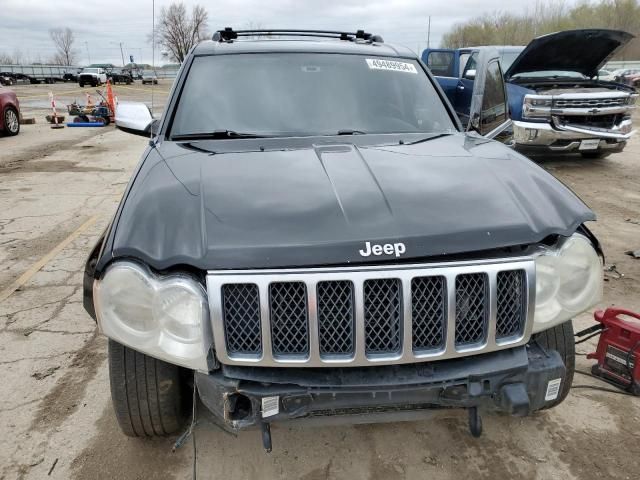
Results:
99 76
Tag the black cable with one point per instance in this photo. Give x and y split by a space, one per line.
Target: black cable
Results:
596 387
602 389
192 428
590 336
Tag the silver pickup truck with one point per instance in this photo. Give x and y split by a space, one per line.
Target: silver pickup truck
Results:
556 100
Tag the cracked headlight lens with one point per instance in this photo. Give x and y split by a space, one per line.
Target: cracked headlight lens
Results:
568 281
164 317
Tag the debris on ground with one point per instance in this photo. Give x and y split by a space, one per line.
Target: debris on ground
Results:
612 271
46 373
633 253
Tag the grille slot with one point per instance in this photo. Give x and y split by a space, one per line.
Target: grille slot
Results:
289 318
471 308
335 317
589 102
511 296
241 317
382 315
428 311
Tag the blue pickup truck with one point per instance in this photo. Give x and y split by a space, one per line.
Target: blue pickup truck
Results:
556 101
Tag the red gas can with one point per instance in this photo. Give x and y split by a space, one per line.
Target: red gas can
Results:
618 349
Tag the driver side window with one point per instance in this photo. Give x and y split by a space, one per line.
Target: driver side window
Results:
494 104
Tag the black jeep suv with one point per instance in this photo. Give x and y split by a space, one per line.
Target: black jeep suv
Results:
311 232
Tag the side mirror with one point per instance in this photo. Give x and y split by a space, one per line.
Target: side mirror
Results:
135 118
470 74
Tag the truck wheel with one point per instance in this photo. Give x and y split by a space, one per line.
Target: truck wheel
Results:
81 85
11 121
560 338
147 394
595 154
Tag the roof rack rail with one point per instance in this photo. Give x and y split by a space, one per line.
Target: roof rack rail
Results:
229 34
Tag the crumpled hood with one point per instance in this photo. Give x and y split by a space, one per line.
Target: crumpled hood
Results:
583 51
319 205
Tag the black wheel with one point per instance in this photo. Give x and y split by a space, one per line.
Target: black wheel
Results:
148 395
560 338
595 154
81 85
11 121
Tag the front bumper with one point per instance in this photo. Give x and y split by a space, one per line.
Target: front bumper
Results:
565 138
514 381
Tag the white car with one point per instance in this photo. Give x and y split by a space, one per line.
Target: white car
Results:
606 76
92 76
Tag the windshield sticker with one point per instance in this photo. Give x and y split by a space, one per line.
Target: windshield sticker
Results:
377 64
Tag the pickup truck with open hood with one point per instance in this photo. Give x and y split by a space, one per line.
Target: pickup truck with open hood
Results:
312 234
556 100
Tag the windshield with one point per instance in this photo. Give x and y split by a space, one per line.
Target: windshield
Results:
550 73
507 58
297 94
91 70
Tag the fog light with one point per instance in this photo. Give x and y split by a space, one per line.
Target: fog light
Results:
532 133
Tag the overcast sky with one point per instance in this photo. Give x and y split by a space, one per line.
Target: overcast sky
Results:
101 25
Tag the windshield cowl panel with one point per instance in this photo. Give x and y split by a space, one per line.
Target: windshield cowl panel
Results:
300 94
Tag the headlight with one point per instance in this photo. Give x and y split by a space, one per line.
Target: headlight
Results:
568 281
536 106
164 317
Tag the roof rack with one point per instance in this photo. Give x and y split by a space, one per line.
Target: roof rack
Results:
229 34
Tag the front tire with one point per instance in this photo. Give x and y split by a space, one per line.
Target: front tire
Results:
11 121
561 339
148 395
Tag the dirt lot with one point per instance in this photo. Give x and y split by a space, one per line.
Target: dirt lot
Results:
58 190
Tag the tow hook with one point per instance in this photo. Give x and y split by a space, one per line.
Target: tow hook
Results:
266 435
475 422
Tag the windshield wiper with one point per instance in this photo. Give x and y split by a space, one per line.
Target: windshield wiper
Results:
432 137
215 135
347 131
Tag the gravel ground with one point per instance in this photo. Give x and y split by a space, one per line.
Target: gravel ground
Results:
58 190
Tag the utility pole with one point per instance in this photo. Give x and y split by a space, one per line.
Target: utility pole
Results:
429 33
121 54
86 44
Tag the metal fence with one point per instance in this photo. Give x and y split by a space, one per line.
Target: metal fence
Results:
40 72
617 64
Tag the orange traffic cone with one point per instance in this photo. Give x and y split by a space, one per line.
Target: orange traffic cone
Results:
110 100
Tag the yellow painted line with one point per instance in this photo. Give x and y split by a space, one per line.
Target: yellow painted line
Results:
139 89
35 268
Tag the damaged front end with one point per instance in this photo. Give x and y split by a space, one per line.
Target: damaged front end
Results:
517 381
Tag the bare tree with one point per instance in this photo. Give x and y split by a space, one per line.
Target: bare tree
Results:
6 59
63 39
177 31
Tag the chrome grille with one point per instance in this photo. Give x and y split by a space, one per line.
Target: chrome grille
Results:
289 323
429 312
370 315
511 295
335 317
589 102
382 313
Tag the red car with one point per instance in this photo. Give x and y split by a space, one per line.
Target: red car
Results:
9 112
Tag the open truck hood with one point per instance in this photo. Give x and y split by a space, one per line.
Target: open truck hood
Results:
583 51
318 205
